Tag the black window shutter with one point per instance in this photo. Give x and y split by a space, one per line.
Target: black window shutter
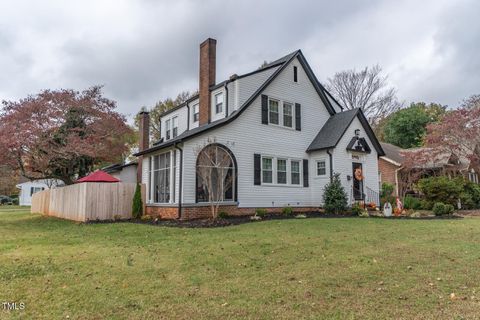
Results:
305 172
298 117
257 172
264 109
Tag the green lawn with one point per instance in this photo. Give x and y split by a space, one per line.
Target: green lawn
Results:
305 268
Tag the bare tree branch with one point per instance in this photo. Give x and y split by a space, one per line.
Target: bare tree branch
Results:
366 89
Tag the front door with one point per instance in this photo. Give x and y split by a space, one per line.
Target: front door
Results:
357 181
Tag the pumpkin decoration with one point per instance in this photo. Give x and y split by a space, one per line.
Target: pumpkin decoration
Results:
358 174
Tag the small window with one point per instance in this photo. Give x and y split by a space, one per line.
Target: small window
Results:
196 113
295 171
175 126
321 168
219 103
281 171
295 74
273 111
287 114
167 129
267 170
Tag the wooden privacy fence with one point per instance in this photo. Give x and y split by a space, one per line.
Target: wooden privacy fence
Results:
86 201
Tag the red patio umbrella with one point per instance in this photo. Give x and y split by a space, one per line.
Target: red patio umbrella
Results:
98 176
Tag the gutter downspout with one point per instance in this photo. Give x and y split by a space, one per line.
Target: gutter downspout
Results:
396 180
330 156
180 178
226 97
188 116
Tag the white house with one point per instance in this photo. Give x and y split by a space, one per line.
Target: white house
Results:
284 134
28 188
124 172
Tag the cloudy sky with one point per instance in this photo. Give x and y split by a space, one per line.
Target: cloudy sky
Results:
146 50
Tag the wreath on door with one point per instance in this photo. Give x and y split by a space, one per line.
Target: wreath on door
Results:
358 174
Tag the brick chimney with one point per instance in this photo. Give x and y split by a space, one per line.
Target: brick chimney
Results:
207 78
144 139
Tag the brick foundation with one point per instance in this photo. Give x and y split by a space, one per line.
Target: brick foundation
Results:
202 212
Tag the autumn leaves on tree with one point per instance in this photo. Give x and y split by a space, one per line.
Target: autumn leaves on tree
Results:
61 134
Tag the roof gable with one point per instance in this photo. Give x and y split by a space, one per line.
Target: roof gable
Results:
283 63
335 128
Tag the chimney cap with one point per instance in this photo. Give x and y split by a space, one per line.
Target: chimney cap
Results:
207 41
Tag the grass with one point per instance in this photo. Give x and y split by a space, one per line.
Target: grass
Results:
349 268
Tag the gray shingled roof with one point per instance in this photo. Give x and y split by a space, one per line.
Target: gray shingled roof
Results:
392 152
333 130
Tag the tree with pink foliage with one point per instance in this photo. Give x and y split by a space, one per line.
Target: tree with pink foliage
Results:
61 134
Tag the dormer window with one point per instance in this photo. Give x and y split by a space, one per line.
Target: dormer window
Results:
219 103
175 126
167 129
196 112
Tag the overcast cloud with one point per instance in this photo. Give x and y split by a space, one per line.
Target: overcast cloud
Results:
146 50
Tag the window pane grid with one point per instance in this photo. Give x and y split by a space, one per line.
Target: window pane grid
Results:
273 111
295 171
321 168
281 171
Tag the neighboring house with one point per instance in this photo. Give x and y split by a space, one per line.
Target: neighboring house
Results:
392 168
283 136
390 165
28 188
124 172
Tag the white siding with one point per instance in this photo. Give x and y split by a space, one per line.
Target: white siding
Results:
127 174
246 86
342 162
246 136
214 116
182 115
192 123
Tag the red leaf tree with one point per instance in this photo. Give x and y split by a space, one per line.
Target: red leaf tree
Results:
458 134
61 134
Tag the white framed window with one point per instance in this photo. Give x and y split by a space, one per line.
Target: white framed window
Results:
281 113
287 114
281 171
196 113
273 112
174 127
295 74
267 170
219 103
295 172
321 168
167 129
161 178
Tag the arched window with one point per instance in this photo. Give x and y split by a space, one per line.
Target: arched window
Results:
216 174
